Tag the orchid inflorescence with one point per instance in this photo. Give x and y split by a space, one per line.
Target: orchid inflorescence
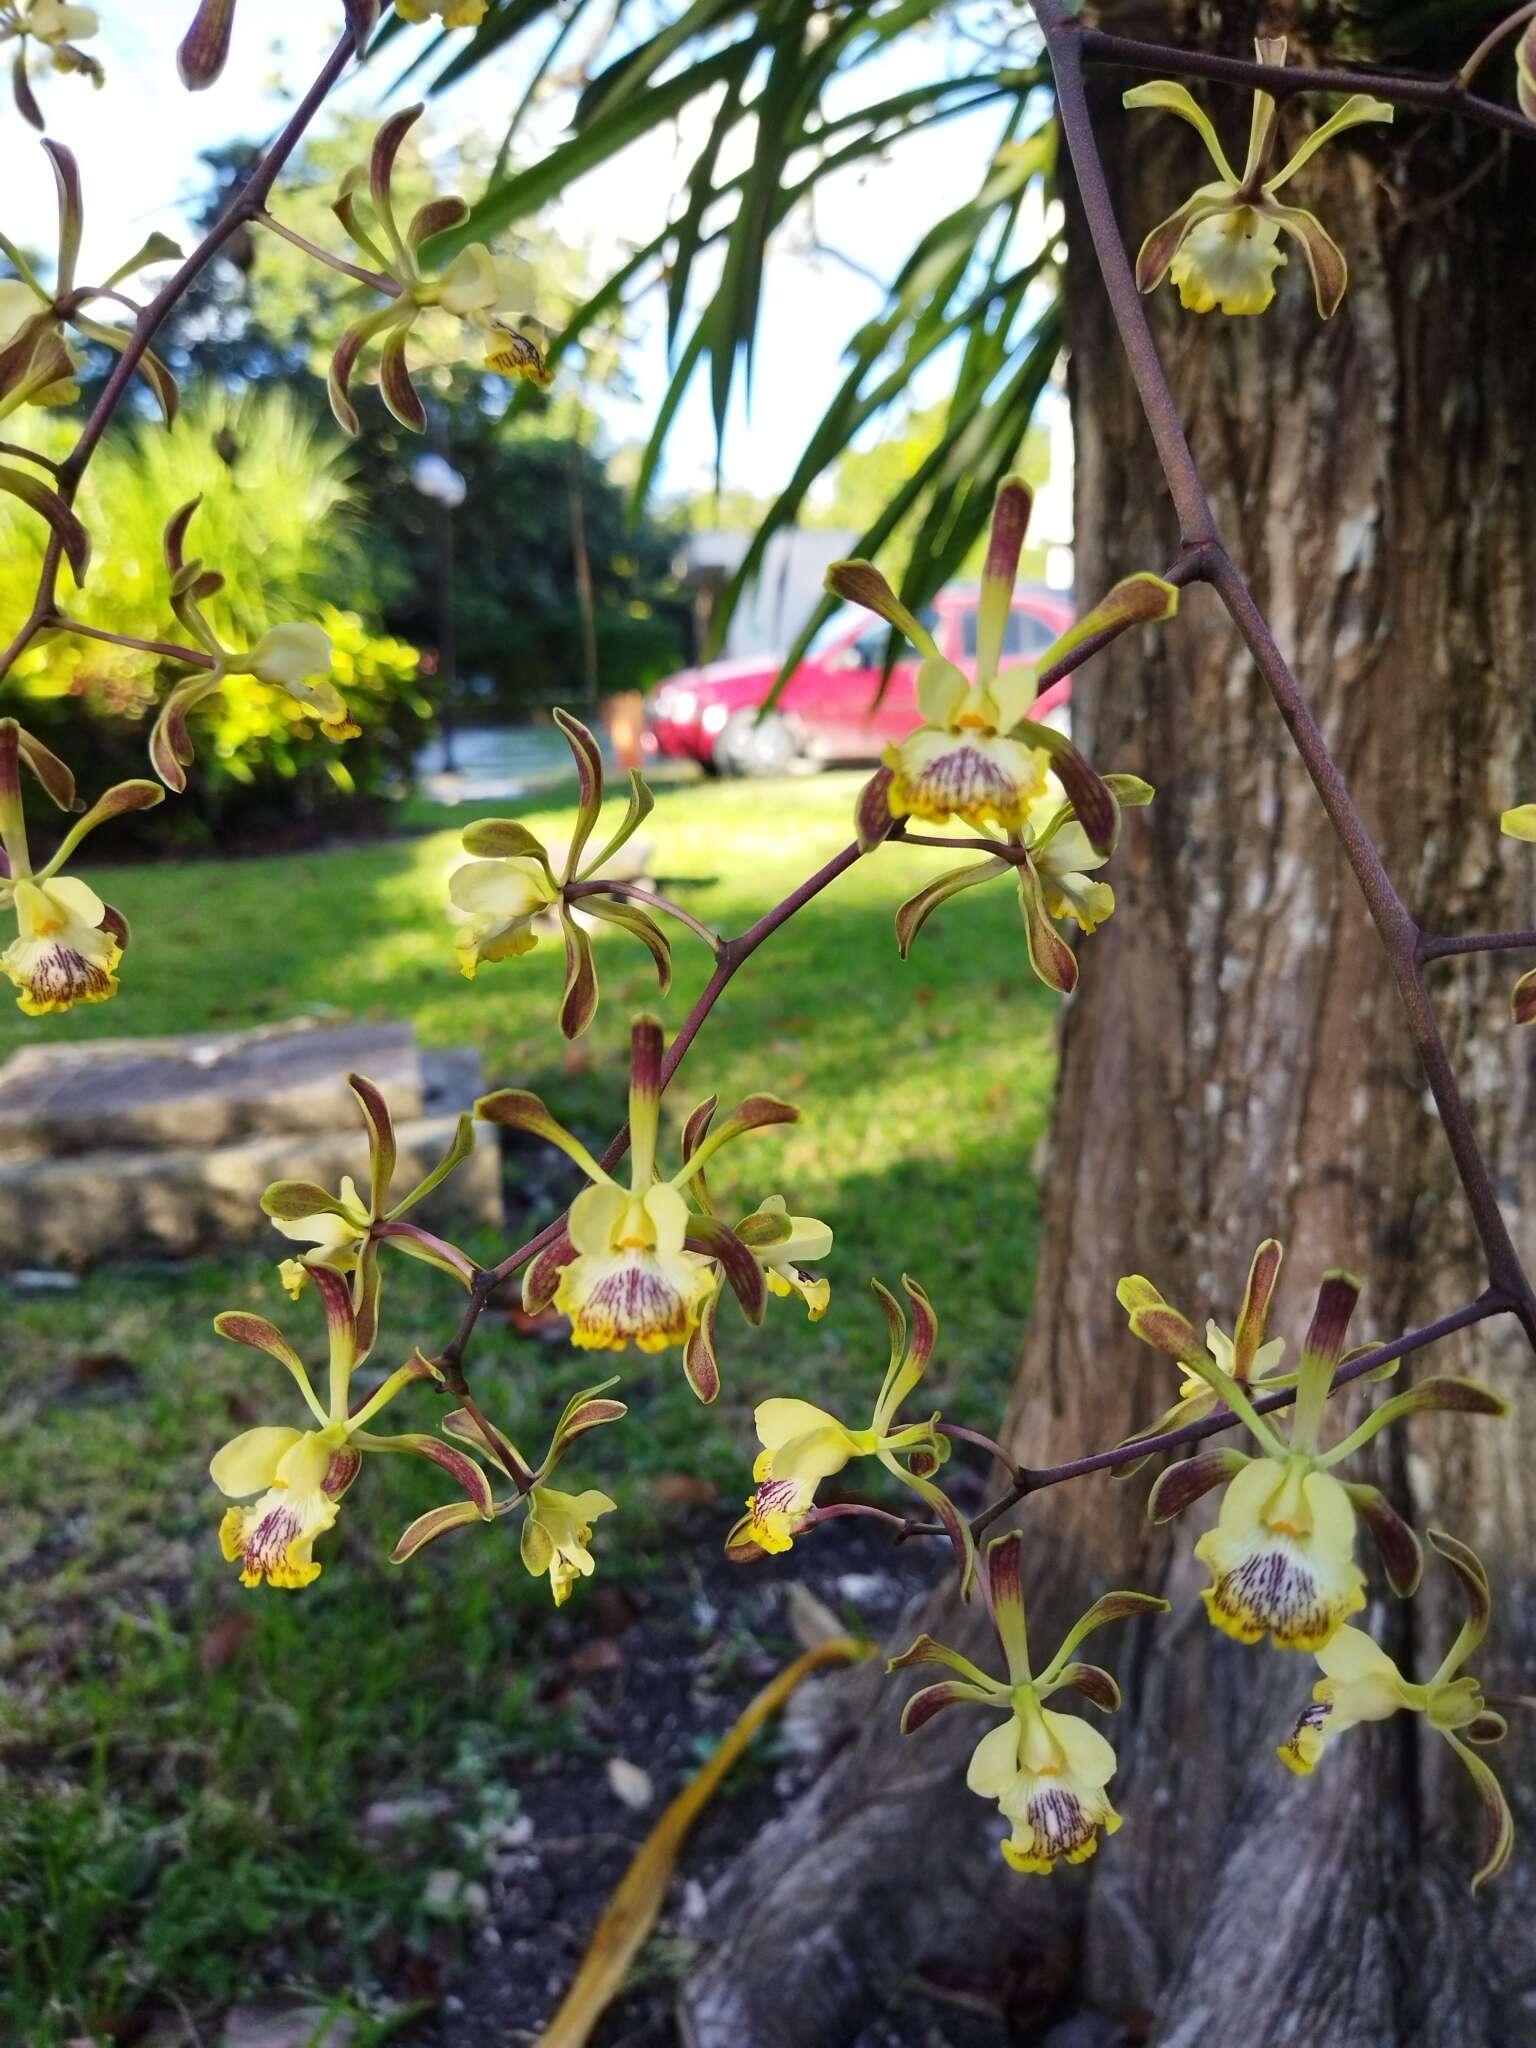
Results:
643 1257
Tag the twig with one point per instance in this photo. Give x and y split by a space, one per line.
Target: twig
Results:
195 657
1037 1480
375 279
1439 946
648 899
243 206
1436 95
19 454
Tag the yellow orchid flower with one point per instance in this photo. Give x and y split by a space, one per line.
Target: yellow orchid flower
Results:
56 22
1360 1682
1051 860
978 755
1282 1553
557 1529
510 883
68 942
56 26
301 1475
803 1445
333 1236
488 293
783 1245
785 1260
295 658
556 1533
38 365
453 13
1048 1772
500 898
344 1233
1520 823
636 1264
1244 1356
39 360
1221 247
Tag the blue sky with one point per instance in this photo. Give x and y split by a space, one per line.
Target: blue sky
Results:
137 141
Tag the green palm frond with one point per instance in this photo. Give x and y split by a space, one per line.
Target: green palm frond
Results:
781 79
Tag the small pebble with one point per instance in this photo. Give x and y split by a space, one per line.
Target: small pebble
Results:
43 1280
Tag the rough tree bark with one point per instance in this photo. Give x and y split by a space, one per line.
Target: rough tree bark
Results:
1235 1065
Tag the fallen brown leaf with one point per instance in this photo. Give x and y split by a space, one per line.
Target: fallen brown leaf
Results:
222 1641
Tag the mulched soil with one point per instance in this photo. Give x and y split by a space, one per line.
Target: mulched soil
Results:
655 1675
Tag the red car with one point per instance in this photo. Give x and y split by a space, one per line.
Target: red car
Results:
827 710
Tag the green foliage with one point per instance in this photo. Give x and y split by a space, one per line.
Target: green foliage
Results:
271 312
797 93
530 499
276 517
864 481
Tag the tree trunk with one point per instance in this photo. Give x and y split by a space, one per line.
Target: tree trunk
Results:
1235 1065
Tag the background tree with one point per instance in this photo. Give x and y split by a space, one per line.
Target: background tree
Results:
1236 1065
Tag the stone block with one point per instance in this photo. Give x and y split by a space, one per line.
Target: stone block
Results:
130 1202
210 1089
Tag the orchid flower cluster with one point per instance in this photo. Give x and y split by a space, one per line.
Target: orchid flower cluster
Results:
644 1257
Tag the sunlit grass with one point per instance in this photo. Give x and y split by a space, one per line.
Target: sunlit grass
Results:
188 1813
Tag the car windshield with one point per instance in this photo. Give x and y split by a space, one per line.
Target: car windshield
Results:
841 623
847 617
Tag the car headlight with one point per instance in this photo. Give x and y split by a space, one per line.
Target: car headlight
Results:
713 717
681 705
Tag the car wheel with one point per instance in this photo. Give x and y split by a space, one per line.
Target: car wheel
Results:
755 745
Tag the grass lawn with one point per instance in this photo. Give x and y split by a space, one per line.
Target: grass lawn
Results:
183 1763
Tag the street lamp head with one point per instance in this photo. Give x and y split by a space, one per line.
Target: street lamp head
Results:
438 480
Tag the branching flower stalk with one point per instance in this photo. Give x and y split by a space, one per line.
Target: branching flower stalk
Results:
648 1260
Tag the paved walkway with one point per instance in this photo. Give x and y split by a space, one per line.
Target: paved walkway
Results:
496 761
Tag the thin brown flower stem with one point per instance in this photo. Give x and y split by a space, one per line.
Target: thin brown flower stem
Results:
732 954
243 206
647 899
1400 936
982 1442
19 454
374 279
1434 95
1035 1480
1440 946
835 1511
1197 522
996 847
1496 35
169 649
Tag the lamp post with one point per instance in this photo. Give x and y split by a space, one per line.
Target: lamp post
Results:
442 485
